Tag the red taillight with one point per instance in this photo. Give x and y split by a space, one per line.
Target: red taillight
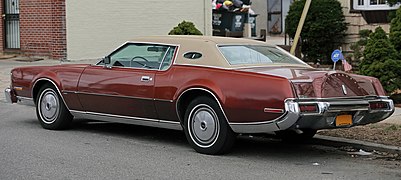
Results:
308 108
378 105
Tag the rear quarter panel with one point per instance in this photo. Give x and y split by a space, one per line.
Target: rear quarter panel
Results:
243 95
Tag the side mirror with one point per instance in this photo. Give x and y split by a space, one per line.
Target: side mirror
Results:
106 62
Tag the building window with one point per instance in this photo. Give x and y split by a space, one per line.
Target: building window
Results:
367 5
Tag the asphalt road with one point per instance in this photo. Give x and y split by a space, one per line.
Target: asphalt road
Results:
94 150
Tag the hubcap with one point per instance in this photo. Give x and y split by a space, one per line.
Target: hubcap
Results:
204 126
49 106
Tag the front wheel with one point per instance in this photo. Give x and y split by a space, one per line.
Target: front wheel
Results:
206 128
51 110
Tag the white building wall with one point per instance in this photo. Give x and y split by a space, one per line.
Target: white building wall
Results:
94 28
260 8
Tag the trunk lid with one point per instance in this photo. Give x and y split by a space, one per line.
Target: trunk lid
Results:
313 83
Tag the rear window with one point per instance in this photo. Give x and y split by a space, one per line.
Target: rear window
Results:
255 54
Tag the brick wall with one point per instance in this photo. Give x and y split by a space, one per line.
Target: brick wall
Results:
42 28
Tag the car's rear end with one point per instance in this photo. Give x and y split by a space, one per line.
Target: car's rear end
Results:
322 99
336 99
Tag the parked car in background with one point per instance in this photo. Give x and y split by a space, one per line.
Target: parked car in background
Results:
212 88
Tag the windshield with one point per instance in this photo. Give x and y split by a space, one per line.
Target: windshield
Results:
256 54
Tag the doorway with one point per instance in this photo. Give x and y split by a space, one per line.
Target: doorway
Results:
12 24
274 16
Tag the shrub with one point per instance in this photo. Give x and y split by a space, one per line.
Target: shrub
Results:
185 28
380 61
396 98
359 46
323 31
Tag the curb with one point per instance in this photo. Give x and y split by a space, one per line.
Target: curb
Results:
337 141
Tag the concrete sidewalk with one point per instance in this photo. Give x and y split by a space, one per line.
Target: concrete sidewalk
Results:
395 118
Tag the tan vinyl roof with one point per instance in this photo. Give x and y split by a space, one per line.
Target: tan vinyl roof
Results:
178 39
206 45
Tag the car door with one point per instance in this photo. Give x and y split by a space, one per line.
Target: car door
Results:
124 86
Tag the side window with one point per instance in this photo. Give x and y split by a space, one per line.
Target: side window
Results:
146 56
168 59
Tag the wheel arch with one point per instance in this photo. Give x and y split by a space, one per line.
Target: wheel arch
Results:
41 82
190 94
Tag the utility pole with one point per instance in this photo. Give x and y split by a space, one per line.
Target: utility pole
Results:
300 26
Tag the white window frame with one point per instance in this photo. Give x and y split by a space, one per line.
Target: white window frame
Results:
368 7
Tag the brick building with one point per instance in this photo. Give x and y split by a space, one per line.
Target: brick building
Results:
87 29
34 28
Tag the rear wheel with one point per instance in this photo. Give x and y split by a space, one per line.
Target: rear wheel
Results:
206 128
51 110
294 137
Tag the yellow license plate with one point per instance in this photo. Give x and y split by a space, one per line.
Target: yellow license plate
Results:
344 120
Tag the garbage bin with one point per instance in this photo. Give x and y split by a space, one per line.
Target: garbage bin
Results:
227 21
251 19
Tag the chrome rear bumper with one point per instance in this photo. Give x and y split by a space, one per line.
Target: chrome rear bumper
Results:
359 108
324 117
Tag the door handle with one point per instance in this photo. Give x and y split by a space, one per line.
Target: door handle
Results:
146 79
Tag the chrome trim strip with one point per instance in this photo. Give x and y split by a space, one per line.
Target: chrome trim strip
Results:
164 57
119 116
25 101
272 65
68 92
146 42
111 95
118 96
204 66
54 84
127 119
369 97
301 81
173 60
344 89
273 110
235 68
164 100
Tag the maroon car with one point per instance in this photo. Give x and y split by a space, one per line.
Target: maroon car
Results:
212 88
